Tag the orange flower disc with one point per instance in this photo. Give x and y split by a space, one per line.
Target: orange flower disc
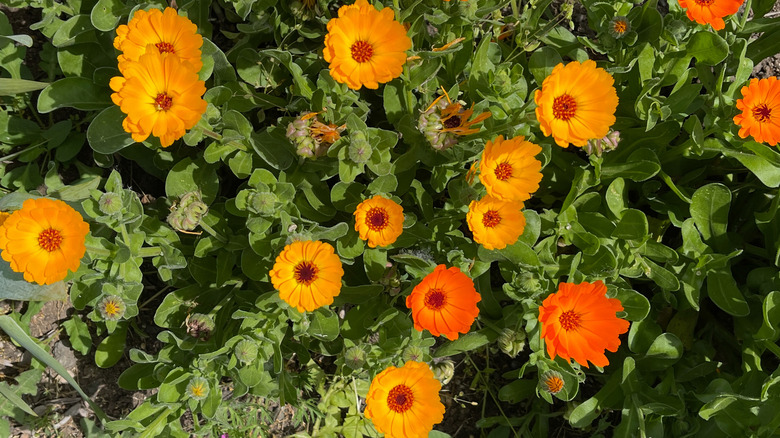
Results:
164 32
404 402
364 46
43 240
579 322
495 224
444 303
307 275
379 220
710 11
508 169
160 95
760 106
576 103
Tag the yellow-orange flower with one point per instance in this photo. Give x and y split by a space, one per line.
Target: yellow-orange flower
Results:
379 220
404 402
160 95
444 303
164 32
365 47
3 216
307 275
579 322
495 224
508 169
43 240
710 11
760 106
577 102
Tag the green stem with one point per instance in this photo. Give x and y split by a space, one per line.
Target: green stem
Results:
771 346
668 180
98 251
515 9
16 154
149 251
213 232
488 391
743 20
157 294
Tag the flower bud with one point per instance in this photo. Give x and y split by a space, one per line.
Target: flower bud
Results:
110 203
359 148
355 357
619 27
552 382
414 353
189 212
112 308
263 203
200 326
511 342
444 370
599 145
246 351
198 388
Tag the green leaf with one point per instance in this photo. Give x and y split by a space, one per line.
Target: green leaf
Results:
14 287
174 386
724 292
771 309
468 342
78 334
106 135
324 325
110 350
10 87
710 209
375 262
79 93
12 329
189 176
68 33
632 225
9 394
635 305
542 62
708 48
106 14
664 352
139 376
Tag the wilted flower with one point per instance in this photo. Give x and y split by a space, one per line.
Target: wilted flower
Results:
311 137
442 122
198 388
511 342
246 350
111 308
598 146
187 214
200 326
444 370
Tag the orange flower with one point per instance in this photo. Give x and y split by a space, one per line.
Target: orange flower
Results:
508 169
364 46
577 102
43 240
760 105
552 382
444 303
307 275
710 11
404 402
495 223
379 220
163 32
160 95
579 322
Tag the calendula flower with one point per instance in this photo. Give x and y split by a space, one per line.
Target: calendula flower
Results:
307 275
311 137
760 106
198 388
710 11
111 308
619 26
365 47
379 221
404 402
495 224
43 240
444 303
508 169
552 382
3 216
162 31
577 102
160 95
443 121
579 322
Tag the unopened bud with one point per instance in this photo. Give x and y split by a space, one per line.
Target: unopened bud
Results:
511 342
552 382
110 203
444 370
600 145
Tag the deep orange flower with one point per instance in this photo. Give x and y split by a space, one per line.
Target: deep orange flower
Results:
165 32
577 102
710 11
160 95
508 169
760 105
379 220
579 322
43 240
444 303
307 275
404 402
552 382
365 47
495 224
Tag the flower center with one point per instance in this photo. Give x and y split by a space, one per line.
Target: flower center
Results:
554 384
400 398
163 102
569 320
305 273
362 51
620 26
564 107
452 122
435 299
377 219
198 390
503 171
50 240
761 113
491 218
165 47
111 308
704 2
